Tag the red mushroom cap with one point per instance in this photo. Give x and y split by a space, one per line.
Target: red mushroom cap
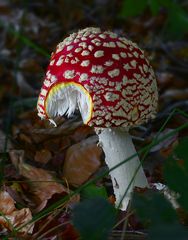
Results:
106 76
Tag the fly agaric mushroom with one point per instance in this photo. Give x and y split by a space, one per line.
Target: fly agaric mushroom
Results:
113 85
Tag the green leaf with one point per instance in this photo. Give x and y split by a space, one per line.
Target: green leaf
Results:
154 6
166 3
92 191
158 213
133 8
177 23
154 207
168 231
94 218
176 172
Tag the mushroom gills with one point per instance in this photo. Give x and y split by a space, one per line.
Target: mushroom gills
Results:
66 98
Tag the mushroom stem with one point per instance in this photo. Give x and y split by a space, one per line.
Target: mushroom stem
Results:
118 146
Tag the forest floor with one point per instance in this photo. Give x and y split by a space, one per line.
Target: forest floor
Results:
44 170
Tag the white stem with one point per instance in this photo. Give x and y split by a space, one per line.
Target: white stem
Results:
117 146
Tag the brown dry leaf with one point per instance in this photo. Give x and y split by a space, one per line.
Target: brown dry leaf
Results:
16 157
82 132
7 203
25 138
81 161
65 143
11 217
64 129
52 144
70 233
43 156
42 183
43 186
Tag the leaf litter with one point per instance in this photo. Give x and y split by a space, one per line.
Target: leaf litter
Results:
42 164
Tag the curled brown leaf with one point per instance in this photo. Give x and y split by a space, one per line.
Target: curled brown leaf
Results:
82 161
42 183
12 218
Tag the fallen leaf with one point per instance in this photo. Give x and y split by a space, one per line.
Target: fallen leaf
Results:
12 218
81 133
70 233
64 129
52 144
25 138
81 161
7 203
16 157
58 227
42 184
43 156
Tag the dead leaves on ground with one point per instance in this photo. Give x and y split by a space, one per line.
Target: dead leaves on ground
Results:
43 156
81 161
70 149
53 161
48 168
11 217
41 184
